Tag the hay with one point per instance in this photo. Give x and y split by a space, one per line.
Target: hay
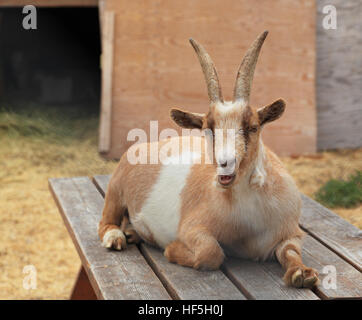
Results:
32 231
311 172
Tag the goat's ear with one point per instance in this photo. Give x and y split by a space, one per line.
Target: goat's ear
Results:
185 119
271 112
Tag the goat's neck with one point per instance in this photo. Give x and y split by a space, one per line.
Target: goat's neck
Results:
259 164
257 168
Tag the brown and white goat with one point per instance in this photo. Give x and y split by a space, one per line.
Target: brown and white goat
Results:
198 211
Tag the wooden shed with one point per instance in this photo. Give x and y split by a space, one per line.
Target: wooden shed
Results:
148 66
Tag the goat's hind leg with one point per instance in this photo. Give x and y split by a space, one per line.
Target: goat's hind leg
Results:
288 253
197 249
177 252
114 214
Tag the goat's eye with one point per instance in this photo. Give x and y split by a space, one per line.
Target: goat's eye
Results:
253 129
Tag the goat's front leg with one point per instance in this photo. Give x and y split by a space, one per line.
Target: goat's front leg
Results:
109 229
196 248
288 253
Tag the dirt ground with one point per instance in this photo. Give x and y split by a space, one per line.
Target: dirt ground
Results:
32 231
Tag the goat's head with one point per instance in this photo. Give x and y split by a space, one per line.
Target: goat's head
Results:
234 125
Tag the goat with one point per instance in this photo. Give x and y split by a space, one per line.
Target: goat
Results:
244 204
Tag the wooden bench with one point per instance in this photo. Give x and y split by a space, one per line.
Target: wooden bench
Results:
142 272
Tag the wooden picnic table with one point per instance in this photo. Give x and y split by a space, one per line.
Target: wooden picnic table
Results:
142 272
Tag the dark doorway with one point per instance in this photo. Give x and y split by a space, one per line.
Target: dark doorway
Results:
56 64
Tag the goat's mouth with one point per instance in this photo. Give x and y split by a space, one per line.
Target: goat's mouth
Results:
226 180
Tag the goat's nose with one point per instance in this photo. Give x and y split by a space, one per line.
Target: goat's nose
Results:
223 164
226 166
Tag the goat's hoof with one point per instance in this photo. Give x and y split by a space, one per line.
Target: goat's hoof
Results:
132 236
311 280
114 239
297 279
301 277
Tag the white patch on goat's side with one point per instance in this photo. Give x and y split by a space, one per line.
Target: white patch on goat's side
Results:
140 227
161 210
112 235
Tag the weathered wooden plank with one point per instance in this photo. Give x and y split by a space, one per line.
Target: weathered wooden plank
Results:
181 282
263 280
107 22
333 231
348 279
190 284
101 182
113 275
252 278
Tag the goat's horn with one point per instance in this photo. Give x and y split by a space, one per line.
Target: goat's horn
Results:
245 74
212 81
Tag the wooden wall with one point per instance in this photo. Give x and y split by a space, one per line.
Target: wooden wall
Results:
339 76
155 67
